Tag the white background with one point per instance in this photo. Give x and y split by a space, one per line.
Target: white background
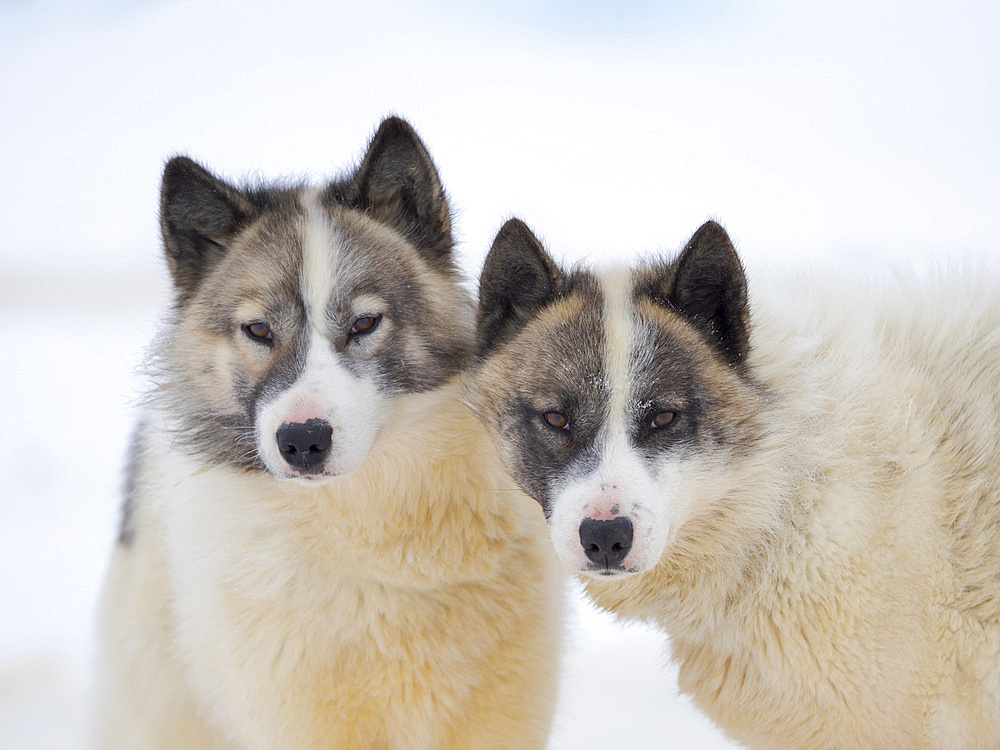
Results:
850 133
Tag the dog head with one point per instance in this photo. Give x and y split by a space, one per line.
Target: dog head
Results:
614 397
303 313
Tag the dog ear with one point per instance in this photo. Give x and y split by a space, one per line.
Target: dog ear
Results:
709 287
518 279
199 216
397 183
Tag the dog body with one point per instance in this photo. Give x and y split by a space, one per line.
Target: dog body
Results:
315 550
808 505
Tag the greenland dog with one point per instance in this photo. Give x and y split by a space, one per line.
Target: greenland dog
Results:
804 492
315 550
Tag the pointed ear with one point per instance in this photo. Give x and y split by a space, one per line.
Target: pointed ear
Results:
518 279
199 216
398 184
709 288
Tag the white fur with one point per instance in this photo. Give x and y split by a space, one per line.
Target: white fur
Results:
319 257
619 486
409 605
619 343
836 584
326 389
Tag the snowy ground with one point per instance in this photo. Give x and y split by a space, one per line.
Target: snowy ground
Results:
840 132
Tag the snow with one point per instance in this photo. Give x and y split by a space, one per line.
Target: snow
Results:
840 133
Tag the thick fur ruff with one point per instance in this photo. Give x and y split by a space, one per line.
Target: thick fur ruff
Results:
828 575
409 605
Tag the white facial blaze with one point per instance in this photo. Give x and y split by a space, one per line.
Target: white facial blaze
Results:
325 389
619 345
319 259
621 485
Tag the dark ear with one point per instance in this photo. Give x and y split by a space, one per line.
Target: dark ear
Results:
710 289
199 216
398 184
518 279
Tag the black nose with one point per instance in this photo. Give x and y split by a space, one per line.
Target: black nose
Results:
606 542
305 445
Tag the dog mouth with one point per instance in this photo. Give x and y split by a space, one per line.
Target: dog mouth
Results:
312 479
603 571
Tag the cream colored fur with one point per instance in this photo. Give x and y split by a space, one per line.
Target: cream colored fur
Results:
838 585
412 604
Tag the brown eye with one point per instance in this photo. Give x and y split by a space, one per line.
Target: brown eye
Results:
557 420
663 419
259 332
365 324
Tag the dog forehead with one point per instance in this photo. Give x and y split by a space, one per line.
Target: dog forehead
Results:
569 346
668 349
262 268
560 349
374 259
323 255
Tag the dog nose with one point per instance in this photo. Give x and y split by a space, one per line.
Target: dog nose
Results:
606 542
305 445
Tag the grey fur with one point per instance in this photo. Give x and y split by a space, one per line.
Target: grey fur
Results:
226 244
541 338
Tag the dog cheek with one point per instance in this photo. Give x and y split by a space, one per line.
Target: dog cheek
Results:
223 381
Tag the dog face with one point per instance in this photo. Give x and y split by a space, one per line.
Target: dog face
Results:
614 397
303 313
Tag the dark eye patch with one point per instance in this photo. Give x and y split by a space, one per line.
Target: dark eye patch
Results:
543 451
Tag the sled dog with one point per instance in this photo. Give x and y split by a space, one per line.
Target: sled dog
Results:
801 489
316 550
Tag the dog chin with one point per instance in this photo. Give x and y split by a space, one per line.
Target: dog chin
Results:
605 574
582 566
312 480
329 474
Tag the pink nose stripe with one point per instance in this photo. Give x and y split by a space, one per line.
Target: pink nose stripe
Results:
606 514
302 416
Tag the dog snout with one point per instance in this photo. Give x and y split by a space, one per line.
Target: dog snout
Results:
305 445
606 543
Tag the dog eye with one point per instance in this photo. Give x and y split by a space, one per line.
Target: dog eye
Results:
557 420
365 324
259 332
663 419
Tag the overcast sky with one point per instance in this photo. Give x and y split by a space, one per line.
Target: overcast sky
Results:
822 130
